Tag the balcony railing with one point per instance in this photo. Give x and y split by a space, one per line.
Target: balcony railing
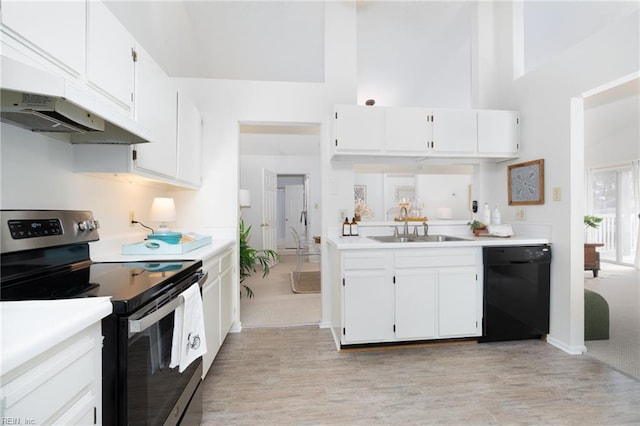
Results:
607 233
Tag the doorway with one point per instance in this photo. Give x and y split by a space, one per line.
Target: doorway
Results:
293 201
610 145
291 153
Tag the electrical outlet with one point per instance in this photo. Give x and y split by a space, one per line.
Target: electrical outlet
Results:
132 217
557 196
521 214
343 214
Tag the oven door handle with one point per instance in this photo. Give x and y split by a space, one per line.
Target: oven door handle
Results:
141 324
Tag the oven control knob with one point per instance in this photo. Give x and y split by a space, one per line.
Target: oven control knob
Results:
88 225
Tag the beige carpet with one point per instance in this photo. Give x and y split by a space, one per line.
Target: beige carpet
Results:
305 282
274 304
620 286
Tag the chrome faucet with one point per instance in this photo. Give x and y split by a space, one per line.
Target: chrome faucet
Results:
404 215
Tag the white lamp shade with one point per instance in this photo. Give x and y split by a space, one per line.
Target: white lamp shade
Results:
163 210
245 198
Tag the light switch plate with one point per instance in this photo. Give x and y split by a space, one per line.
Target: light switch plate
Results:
557 196
521 214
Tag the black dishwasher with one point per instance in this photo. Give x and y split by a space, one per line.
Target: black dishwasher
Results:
516 292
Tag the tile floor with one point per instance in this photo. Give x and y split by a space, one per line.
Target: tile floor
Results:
294 376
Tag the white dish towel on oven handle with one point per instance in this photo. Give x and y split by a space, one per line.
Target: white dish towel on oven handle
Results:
189 341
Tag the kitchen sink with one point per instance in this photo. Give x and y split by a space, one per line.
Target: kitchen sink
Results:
416 239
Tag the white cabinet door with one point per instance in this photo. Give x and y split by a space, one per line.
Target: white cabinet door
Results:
227 293
368 307
457 298
416 303
498 132
110 62
359 128
62 385
211 313
189 142
156 110
408 130
54 30
454 131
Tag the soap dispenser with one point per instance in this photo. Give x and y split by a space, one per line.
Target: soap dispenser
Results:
486 214
496 218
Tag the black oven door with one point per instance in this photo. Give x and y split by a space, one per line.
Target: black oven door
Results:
156 394
145 390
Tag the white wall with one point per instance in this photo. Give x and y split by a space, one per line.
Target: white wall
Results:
415 53
552 129
612 130
226 103
37 174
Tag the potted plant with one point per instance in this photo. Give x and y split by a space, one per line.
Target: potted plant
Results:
591 221
476 226
250 258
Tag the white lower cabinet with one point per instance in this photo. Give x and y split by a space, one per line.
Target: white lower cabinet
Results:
227 293
63 385
217 303
211 311
416 304
411 294
457 302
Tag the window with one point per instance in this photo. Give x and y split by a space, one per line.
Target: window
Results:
612 199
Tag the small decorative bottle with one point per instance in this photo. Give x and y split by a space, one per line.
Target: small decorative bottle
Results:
354 228
346 227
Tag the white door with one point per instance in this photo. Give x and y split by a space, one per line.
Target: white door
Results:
269 210
294 203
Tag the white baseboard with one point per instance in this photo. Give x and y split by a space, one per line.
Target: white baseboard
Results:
571 350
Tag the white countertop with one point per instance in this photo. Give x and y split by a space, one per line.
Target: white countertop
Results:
113 252
31 327
349 243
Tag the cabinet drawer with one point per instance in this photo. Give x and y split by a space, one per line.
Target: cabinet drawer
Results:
55 380
212 266
356 261
436 257
226 260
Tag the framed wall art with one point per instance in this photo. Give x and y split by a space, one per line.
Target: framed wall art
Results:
360 193
526 183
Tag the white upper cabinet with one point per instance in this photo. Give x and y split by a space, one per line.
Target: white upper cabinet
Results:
156 110
359 128
408 130
110 56
498 132
53 30
454 131
431 132
189 141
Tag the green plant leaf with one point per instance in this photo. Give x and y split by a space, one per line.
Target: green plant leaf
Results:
251 258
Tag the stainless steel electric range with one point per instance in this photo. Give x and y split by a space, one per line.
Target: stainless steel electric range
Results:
45 256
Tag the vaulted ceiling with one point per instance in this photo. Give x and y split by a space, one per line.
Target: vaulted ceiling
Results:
241 40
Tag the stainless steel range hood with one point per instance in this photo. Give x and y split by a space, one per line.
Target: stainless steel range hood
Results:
39 101
40 113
